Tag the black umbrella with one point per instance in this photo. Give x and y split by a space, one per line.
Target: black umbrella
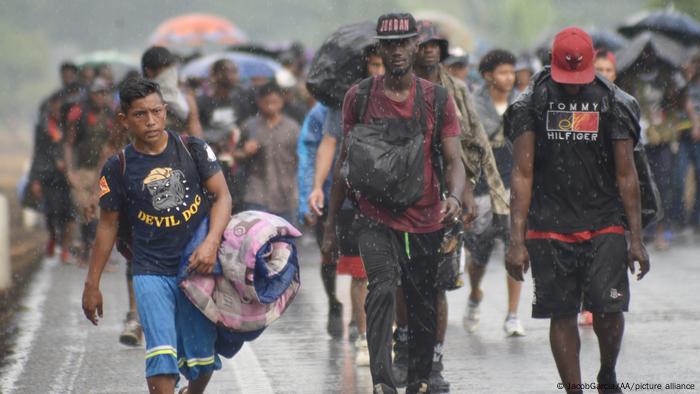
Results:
607 39
662 48
339 63
677 25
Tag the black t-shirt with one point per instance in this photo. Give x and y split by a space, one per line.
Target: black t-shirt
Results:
163 198
219 116
574 182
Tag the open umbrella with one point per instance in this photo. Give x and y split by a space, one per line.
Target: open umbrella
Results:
193 30
249 66
606 39
111 57
677 25
339 63
663 48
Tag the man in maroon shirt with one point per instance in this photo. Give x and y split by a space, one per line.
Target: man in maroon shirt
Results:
402 244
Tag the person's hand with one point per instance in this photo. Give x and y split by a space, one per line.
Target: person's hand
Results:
469 210
329 244
203 259
92 303
251 147
61 165
639 254
316 201
517 261
35 189
450 211
695 134
310 219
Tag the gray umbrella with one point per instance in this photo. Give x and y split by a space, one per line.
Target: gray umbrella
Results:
674 24
665 49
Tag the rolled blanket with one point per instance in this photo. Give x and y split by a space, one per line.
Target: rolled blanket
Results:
257 273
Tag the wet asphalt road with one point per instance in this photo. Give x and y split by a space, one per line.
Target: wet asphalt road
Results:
59 351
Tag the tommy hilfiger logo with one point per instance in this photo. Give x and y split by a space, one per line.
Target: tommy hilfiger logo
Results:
395 25
575 122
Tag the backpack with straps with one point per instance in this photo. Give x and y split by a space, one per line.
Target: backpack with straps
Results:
385 165
124 232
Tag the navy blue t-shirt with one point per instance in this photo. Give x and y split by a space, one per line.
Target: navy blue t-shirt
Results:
163 199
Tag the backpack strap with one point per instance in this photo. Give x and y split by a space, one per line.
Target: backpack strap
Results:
439 103
122 162
362 99
184 140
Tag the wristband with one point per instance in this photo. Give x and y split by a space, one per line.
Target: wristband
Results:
456 199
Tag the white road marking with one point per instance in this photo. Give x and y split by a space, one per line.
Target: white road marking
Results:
67 373
250 376
29 322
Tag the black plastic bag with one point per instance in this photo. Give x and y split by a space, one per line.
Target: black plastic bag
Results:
340 63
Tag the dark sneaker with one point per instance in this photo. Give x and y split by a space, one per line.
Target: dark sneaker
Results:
335 321
418 387
438 384
399 367
381 388
133 333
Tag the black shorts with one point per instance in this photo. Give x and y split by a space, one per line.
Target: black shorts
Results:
480 246
59 206
564 273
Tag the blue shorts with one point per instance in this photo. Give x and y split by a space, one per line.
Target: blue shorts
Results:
179 338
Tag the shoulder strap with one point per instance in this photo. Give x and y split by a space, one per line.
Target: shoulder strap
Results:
362 99
439 103
122 162
184 139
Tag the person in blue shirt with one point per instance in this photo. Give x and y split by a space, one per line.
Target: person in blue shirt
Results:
307 146
156 189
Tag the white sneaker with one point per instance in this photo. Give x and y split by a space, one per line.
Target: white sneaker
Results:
361 352
472 316
513 327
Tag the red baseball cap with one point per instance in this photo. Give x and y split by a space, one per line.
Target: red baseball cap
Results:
573 57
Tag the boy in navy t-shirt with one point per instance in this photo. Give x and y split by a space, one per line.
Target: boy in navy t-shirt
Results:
157 190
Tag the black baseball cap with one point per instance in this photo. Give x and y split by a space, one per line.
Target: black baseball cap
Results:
427 31
157 57
396 26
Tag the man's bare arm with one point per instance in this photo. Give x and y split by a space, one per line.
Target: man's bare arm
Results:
104 242
322 167
455 177
517 258
628 186
203 259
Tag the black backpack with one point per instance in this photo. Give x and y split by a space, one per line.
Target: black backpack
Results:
387 167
